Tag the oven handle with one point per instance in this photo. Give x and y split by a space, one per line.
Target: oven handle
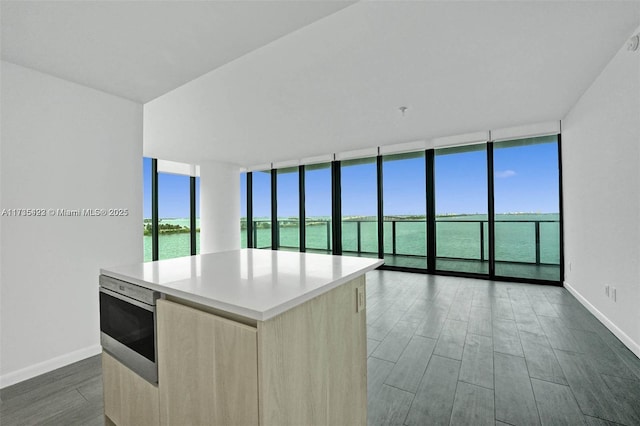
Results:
128 299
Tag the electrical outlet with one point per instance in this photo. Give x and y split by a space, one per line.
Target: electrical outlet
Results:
613 293
361 299
606 290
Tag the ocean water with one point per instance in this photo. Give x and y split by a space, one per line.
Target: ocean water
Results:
172 245
456 237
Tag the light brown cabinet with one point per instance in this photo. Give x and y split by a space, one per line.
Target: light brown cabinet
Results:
306 366
207 368
312 362
128 398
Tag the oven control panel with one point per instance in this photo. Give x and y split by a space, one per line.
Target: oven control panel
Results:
133 291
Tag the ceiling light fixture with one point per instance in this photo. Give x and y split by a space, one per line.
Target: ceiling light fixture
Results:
403 109
633 43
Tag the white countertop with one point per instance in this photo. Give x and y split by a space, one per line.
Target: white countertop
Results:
257 284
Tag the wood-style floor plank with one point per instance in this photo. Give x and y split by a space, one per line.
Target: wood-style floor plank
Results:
17 412
501 308
594 421
451 341
556 404
473 405
560 337
515 403
480 321
434 399
526 319
477 361
563 356
377 372
417 311
460 307
371 346
55 381
506 339
541 360
541 306
56 395
481 299
396 340
389 406
607 362
91 389
383 325
592 393
627 392
575 316
433 322
90 414
411 365
629 358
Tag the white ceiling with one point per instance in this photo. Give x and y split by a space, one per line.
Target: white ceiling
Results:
140 50
297 79
337 84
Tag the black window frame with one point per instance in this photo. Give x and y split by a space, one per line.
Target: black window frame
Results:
155 220
430 221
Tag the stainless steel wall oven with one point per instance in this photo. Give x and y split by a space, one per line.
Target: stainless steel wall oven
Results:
128 325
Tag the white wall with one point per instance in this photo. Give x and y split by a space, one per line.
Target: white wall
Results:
71 147
220 207
601 178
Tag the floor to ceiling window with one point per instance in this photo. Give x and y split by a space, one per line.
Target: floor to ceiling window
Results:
261 195
197 212
404 195
146 208
359 207
177 235
288 217
527 208
317 198
433 213
243 210
174 238
461 209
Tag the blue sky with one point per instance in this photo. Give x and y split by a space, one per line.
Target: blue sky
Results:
525 181
173 193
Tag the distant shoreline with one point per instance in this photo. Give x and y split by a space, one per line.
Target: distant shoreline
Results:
286 222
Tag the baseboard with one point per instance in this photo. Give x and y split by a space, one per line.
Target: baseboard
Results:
624 338
47 366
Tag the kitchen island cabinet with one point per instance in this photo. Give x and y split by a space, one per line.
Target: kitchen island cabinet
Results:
128 398
208 368
271 338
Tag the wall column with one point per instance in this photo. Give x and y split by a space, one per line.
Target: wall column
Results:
219 207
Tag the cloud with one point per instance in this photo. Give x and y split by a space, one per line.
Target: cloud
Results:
505 174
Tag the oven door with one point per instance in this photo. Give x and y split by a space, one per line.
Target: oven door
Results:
128 332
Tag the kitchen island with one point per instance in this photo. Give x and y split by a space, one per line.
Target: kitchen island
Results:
249 337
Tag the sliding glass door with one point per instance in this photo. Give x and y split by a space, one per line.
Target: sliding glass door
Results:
461 209
487 209
243 210
527 208
288 224
317 199
174 238
146 208
405 203
359 207
261 209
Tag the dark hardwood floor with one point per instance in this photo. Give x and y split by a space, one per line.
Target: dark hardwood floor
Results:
71 395
441 350
456 351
